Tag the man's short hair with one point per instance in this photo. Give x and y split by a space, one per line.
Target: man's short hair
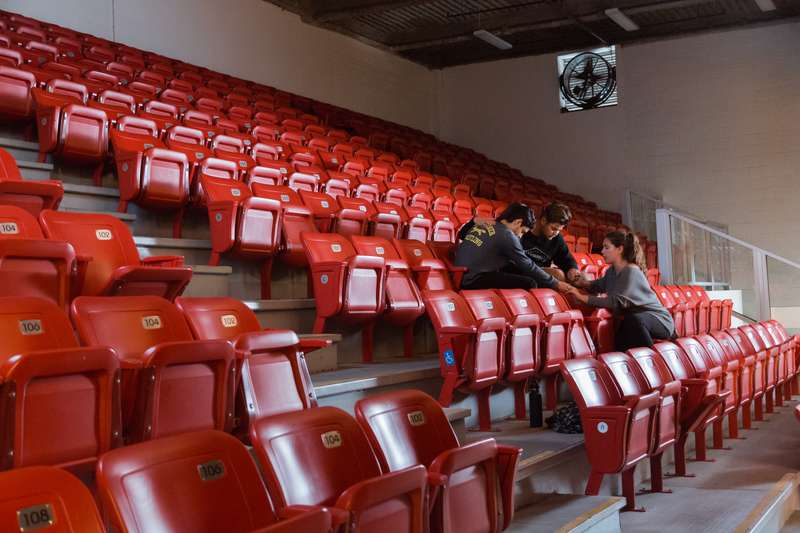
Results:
515 211
557 213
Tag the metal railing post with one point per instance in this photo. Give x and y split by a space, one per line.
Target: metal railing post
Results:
761 277
664 239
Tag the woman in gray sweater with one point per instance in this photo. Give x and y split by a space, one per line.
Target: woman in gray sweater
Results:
625 291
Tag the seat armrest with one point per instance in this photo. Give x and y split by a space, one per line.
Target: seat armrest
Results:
560 318
672 388
188 352
310 345
296 519
376 490
528 320
262 341
714 372
367 261
43 363
457 329
163 260
507 459
491 324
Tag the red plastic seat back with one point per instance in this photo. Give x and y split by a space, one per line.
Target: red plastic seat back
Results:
311 457
675 360
104 238
652 367
406 428
590 383
200 482
626 374
17 223
48 499
418 254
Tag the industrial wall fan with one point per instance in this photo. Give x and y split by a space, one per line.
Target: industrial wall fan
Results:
588 80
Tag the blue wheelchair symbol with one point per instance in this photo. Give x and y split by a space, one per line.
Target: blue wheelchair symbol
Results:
449 358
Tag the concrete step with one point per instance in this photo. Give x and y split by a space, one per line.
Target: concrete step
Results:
778 509
21 150
89 198
569 513
194 251
324 359
33 170
208 281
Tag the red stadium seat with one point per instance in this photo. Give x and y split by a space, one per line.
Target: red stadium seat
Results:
171 383
730 382
690 310
470 351
775 363
274 374
151 485
242 224
676 309
758 379
33 196
744 380
564 337
48 498
322 457
296 219
68 128
31 265
617 429
347 285
521 349
114 266
402 297
703 392
16 96
64 397
408 428
631 382
430 272
767 356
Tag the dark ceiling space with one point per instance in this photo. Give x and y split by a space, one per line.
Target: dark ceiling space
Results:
439 33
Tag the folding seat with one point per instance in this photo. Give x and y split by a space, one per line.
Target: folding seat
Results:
617 429
101 54
676 309
776 362
731 380
630 381
67 127
233 149
295 219
322 457
274 375
759 364
200 120
743 384
689 310
115 104
142 92
483 208
30 265
389 221
402 298
38 52
703 395
587 267
419 224
33 196
347 285
171 383
767 356
408 428
430 272
470 351
64 397
115 267
241 223
164 114
26 32
242 115
520 352
190 142
209 472
41 497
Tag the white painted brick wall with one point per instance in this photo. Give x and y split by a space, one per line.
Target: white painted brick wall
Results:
711 122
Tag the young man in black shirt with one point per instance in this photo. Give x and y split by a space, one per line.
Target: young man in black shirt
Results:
492 252
543 243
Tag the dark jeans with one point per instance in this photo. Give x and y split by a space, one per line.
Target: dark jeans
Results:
500 280
639 330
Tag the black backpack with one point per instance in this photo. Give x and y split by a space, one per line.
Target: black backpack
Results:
566 419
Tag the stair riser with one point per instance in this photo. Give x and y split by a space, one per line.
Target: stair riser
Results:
207 285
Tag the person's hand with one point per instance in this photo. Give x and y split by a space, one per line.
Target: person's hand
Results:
566 288
574 275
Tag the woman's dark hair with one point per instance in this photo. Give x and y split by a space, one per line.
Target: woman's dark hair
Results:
515 211
557 213
631 249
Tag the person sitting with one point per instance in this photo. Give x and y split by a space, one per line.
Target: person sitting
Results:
494 258
544 243
624 290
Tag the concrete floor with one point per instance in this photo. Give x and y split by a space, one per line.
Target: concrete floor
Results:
725 491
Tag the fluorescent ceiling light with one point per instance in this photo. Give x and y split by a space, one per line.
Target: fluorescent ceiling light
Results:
622 20
766 5
492 39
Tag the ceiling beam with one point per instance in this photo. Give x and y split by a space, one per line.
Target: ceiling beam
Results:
334 10
416 40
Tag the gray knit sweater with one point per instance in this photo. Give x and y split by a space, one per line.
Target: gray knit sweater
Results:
627 292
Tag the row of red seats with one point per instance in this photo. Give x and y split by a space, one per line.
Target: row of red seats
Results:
635 405
150 370
693 311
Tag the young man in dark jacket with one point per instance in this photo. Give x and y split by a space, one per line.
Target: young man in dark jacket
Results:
543 244
494 257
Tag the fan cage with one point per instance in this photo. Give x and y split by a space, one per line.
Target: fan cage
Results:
609 53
